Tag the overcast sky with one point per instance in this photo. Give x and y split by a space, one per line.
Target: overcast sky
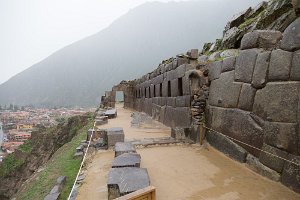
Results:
31 30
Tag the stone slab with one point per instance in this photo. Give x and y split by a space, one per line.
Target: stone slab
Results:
127 160
246 98
124 147
215 69
267 39
125 180
291 37
291 173
114 135
295 70
112 113
228 64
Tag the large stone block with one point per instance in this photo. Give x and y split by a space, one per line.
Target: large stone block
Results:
295 70
127 160
291 36
181 61
270 160
114 135
165 89
214 70
238 124
254 164
171 101
186 85
181 71
226 146
246 97
228 64
280 65
259 78
122 181
266 39
177 117
171 75
277 102
124 147
282 135
244 66
291 173
224 92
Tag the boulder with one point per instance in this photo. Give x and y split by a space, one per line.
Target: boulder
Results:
127 160
267 39
224 92
259 78
272 161
229 53
280 65
254 164
284 98
291 36
244 66
246 98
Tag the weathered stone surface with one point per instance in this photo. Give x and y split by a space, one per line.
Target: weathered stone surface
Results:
244 66
267 39
291 36
254 164
171 75
238 124
183 101
214 56
181 61
270 101
282 135
181 71
291 173
61 180
246 97
259 78
295 70
125 180
214 70
162 101
124 147
226 146
174 87
224 91
171 101
203 58
114 135
127 160
271 161
229 53
228 64
280 65
177 117
111 113
54 196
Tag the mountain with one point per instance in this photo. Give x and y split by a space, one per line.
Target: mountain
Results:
132 45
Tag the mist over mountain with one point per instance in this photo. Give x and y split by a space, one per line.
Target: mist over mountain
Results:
131 46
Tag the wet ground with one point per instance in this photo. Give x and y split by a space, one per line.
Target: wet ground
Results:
182 171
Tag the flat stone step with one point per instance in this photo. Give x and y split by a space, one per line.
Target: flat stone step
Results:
127 160
124 147
112 113
122 181
114 135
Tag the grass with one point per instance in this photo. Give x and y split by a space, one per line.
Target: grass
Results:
26 147
61 164
9 164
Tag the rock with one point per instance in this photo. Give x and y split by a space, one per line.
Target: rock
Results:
259 78
230 53
232 38
244 66
111 113
171 101
291 36
214 56
295 70
61 180
214 70
280 65
266 39
127 160
271 161
291 173
224 91
246 97
194 53
228 64
125 180
183 101
254 164
203 58
55 189
124 147
282 95
226 146
206 47
282 135
238 124
54 196
78 155
114 135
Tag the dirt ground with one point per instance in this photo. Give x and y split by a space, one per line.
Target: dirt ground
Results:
183 171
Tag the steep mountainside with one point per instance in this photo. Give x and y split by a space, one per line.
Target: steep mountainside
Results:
78 74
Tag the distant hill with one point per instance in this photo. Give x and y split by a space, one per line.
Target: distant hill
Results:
134 44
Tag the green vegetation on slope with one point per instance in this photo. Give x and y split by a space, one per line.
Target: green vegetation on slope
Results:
61 164
9 164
